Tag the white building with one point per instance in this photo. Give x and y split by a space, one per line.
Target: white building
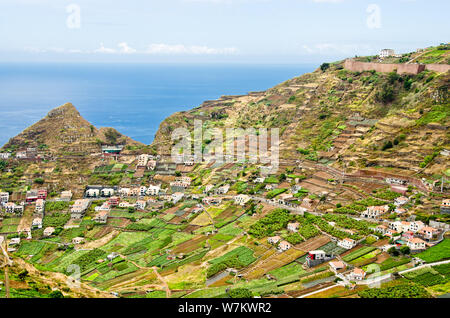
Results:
347 243
374 212
416 244
37 223
274 239
387 53
40 206
416 226
401 201
4 197
241 199
49 231
66 195
177 196
141 204
5 155
293 227
107 192
284 246
153 190
93 193
79 208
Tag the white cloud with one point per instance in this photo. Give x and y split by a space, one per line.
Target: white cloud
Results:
124 48
331 48
105 50
163 49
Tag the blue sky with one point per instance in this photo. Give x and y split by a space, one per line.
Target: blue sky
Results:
247 31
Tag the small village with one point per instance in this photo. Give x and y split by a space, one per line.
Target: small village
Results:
358 207
304 237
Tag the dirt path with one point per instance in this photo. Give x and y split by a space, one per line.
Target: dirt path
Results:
168 291
59 280
100 242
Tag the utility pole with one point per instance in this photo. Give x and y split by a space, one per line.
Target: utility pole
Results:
442 184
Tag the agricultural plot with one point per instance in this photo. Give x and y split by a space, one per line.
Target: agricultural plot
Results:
436 253
358 253
238 258
291 269
273 262
426 277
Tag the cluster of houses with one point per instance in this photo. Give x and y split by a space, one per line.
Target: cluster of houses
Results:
28 153
416 235
107 192
37 196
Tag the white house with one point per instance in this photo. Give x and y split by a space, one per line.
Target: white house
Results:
208 188
284 246
336 265
241 199
93 193
79 208
293 227
416 226
357 274
223 189
153 190
49 231
102 217
124 192
125 204
415 244
259 180
374 212
107 192
387 53
274 239
400 227
428 232
66 195
381 229
78 240
5 155
177 196
40 206
37 223
4 197
401 201
141 204
347 243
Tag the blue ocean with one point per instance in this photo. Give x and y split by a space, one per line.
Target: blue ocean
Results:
133 98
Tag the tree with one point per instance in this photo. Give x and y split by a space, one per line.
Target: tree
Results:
241 293
405 250
23 274
39 181
393 251
131 209
112 135
56 294
324 66
386 94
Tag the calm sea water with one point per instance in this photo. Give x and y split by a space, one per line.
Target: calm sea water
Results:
132 98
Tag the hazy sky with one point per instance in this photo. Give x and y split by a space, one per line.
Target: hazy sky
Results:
260 31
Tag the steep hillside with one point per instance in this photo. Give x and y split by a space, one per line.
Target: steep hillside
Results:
343 118
65 131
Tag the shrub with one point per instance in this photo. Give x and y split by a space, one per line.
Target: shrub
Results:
324 66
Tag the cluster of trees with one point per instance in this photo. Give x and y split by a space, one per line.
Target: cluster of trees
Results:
274 221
